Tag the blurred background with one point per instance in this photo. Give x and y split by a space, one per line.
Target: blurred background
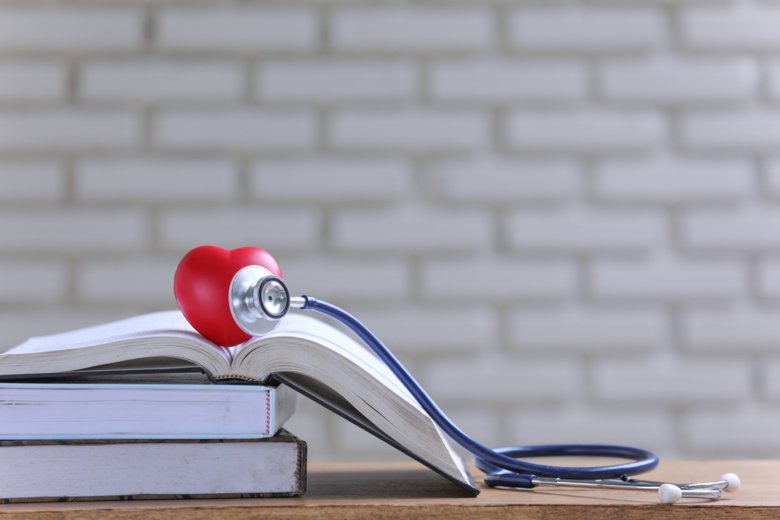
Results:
564 216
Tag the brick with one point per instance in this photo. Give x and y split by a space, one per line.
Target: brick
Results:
234 129
770 373
739 230
31 80
768 273
347 279
234 28
23 180
773 177
312 420
33 281
511 379
580 28
651 429
238 226
729 129
68 129
161 80
410 229
712 433
424 29
20 324
418 329
357 444
409 129
664 179
588 329
733 330
494 80
585 230
73 230
129 281
491 279
667 380
149 178
680 80
325 80
495 180
668 279
70 29
731 27
773 77
585 130
479 422
324 179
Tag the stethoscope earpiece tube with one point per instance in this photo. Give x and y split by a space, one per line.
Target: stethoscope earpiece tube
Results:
493 461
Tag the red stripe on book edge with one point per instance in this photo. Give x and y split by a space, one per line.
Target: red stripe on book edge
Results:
268 412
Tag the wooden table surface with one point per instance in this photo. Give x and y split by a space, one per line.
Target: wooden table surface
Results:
408 490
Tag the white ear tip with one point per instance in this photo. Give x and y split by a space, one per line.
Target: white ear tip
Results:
732 482
669 493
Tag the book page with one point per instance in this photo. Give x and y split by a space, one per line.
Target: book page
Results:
164 323
157 335
308 328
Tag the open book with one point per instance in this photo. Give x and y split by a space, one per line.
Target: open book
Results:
318 360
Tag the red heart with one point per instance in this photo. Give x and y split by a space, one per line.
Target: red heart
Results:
201 285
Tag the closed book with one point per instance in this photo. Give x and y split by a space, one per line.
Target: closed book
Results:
152 469
62 411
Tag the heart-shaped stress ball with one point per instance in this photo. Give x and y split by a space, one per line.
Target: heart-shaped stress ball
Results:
202 283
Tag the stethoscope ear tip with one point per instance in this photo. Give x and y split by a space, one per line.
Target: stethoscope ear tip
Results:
669 493
732 482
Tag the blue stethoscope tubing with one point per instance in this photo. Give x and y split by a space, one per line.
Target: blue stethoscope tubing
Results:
502 465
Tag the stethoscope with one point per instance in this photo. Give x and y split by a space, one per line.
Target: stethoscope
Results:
257 299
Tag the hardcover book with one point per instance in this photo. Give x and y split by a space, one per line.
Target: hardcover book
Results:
49 470
120 410
308 355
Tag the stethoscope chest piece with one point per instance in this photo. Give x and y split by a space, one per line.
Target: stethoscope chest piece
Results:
258 299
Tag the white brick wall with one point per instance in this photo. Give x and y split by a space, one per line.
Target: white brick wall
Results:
171 81
585 130
411 130
577 28
491 180
234 129
585 230
563 215
605 329
31 80
236 28
68 129
676 80
411 29
674 180
26 180
57 29
336 80
505 80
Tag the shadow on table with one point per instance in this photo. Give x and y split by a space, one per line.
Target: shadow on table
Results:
391 483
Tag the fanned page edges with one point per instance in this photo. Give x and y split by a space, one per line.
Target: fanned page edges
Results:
143 340
301 348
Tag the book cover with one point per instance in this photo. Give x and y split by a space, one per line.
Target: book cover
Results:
48 470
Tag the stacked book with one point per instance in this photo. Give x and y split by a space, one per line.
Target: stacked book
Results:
83 415
131 437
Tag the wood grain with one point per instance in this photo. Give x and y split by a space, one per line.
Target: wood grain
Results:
407 490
